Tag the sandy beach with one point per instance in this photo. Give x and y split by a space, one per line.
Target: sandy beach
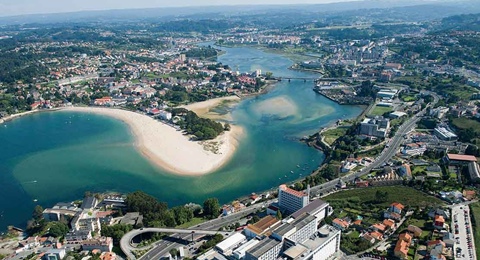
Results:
170 149
203 109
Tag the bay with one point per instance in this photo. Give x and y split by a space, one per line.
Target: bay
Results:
58 156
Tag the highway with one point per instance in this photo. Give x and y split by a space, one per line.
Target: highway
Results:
387 153
125 242
163 247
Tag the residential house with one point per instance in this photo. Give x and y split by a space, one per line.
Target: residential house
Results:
377 235
438 222
438 211
105 101
340 224
369 238
416 231
389 224
392 215
405 171
379 227
449 239
227 210
436 249
402 246
396 207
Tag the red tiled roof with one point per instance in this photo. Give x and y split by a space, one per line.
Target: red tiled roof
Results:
397 205
460 157
341 222
284 188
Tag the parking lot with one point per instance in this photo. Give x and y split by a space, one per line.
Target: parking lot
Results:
462 229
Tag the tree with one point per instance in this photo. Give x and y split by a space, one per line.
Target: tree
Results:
37 213
182 214
211 208
58 229
381 196
174 252
278 215
227 127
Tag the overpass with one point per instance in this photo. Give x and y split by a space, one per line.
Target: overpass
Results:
126 241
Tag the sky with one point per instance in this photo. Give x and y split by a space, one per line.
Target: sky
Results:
20 7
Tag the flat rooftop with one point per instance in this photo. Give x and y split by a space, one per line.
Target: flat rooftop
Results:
264 245
324 234
311 208
461 157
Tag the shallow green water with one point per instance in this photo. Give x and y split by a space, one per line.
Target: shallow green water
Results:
57 156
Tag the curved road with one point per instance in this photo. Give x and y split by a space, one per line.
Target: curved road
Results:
387 153
162 248
126 241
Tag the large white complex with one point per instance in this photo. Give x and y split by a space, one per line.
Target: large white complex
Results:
444 134
376 127
291 200
300 238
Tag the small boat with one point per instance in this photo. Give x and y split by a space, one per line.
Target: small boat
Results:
35 200
291 172
298 166
285 176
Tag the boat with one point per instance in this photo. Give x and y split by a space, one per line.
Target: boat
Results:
298 166
291 172
35 200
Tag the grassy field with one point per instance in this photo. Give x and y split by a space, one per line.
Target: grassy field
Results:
463 92
465 123
378 111
394 194
475 208
408 98
333 134
193 222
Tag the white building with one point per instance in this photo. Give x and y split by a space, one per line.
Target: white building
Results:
225 247
444 134
377 127
239 253
348 166
291 200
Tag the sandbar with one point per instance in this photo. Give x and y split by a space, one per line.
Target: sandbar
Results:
281 106
204 108
171 149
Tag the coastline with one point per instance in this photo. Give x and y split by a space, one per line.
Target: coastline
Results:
203 109
26 113
169 148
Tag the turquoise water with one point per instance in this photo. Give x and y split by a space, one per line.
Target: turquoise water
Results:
57 156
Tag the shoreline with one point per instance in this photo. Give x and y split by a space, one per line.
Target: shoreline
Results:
203 108
26 113
170 149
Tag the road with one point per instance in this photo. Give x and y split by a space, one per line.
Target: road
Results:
387 153
162 248
125 242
